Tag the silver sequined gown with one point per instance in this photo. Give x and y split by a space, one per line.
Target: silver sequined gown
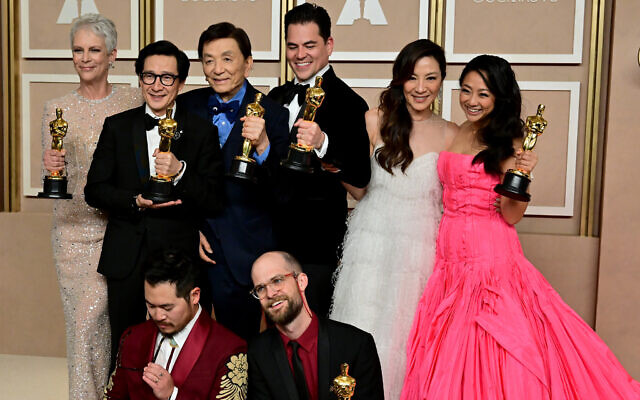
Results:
77 240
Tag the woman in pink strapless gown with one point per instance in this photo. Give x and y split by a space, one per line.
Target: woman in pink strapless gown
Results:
488 325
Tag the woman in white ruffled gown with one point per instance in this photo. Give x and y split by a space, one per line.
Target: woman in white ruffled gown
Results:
390 243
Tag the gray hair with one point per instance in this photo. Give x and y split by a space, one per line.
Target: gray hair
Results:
100 25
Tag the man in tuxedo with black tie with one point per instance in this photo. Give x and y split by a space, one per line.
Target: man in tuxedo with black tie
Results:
125 157
232 240
312 208
300 356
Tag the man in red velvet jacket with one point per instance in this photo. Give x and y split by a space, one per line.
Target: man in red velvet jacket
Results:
180 352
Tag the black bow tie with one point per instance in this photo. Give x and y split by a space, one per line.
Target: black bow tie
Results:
291 89
150 122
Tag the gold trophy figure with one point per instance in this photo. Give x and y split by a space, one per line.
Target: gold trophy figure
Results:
299 157
515 182
55 184
344 385
243 166
161 186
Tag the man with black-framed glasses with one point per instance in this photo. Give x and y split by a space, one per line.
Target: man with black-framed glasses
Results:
125 157
300 356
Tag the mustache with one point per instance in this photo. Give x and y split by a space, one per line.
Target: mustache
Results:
277 299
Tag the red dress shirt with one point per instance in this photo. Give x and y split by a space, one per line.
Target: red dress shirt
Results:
308 353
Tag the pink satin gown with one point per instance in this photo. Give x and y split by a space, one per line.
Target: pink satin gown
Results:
488 325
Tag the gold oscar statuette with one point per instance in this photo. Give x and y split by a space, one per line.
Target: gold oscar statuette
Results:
161 186
243 166
515 182
55 184
344 385
299 157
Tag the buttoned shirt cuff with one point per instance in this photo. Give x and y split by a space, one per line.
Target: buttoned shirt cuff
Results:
174 394
322 151
181 173
260 158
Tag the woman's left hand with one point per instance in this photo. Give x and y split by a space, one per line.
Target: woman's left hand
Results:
526 161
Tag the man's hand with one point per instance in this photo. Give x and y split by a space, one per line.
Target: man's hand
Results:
141 202
159 380
166 163
309 133
254 130
53 160
205 248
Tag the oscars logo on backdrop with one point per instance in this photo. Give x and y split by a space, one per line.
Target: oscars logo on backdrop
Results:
365 9
72 9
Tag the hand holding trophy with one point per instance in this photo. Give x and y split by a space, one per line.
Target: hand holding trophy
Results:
299 157
243 166
344 385
161 186
516 181
55 184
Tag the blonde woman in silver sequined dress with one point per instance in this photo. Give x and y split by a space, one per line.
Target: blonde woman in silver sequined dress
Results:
77 228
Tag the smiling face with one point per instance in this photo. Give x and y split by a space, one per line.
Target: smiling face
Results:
225 67
90 57
476 99
158 96
169 312
422 87
307 52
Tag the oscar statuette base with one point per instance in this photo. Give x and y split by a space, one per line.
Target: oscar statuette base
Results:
54 188
243 168
159 191
514 186
298 159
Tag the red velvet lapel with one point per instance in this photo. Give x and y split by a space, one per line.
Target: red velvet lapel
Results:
192 349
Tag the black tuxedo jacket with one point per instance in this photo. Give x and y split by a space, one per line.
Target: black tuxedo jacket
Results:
270 375
244 228
120 171
312 209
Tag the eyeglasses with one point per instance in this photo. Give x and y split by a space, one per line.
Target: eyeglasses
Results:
276 283
149 78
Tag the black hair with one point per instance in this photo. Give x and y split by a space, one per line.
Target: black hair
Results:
224 30
503 124
396 123
164 48
306 13
175 267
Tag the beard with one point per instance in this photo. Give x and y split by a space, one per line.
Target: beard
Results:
286 316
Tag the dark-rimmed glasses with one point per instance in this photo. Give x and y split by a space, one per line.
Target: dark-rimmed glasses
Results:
276 283
149 78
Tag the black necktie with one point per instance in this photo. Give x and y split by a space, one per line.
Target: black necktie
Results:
290 91
149 122
298 372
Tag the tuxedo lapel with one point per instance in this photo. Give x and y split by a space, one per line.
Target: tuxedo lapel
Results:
279 355
182 130
139 136
324 361
192 349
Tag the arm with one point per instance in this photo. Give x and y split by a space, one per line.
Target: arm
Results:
372 120
513 210
231 377
117 385
369 384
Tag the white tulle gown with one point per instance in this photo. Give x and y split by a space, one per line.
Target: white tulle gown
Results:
388 255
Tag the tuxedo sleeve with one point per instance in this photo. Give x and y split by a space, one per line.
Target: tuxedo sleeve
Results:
278 134
102 189
258 385
201 184
231 377
369 372
116 388
348 147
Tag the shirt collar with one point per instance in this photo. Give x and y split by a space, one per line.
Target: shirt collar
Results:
181 337
148 110
312 81
308 338
238 96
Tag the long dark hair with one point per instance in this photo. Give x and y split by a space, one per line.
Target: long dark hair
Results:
503 124
396 122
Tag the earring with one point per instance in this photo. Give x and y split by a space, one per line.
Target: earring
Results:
111 66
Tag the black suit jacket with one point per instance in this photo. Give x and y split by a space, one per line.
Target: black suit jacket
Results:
312 209
270 376
244 228
120 171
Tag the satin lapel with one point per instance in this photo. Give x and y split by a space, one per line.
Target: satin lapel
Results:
141 152
324 357
191 351
280 357
182 131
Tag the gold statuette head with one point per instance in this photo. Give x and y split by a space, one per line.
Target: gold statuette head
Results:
344 385
535 125
167 128
58 129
